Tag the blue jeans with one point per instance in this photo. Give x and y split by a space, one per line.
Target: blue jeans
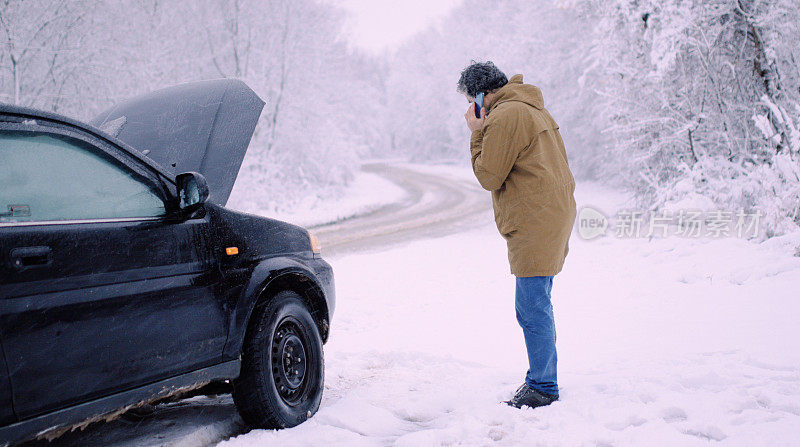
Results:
535 315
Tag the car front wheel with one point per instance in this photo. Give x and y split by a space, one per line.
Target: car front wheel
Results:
281 381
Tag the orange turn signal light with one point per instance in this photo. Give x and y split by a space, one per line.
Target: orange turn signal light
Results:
230 251
316 245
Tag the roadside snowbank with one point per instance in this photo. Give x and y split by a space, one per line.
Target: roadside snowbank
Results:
365 193
665 342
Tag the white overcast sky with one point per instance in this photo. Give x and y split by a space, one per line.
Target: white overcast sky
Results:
376 25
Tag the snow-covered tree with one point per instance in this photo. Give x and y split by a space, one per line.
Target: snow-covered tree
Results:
538 39
682 101
698 108
79 56
42 54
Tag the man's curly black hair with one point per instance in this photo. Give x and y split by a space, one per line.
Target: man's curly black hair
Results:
481 77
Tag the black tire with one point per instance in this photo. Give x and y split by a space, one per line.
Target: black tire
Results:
282 376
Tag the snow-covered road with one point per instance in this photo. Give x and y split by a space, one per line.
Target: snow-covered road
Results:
433 205
664 342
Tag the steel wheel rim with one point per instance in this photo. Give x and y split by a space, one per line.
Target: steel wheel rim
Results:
290 361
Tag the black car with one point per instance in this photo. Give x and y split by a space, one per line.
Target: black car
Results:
125 281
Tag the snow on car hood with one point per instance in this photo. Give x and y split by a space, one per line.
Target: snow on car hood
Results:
202 126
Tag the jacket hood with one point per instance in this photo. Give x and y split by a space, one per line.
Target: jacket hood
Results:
203 126
515 90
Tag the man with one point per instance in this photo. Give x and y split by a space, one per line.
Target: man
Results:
518 155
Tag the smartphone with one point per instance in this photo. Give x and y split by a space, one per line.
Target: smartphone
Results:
478 104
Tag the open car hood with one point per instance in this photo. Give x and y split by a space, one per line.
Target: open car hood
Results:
202 126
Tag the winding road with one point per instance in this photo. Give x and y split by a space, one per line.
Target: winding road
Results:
434 205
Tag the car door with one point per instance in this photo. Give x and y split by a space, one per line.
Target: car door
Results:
99 290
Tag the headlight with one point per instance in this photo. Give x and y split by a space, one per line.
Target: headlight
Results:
316 245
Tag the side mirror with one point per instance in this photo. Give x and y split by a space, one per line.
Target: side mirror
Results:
192 191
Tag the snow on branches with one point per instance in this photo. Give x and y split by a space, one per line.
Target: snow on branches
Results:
703 92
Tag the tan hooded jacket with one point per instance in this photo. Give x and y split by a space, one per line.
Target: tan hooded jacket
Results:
519 156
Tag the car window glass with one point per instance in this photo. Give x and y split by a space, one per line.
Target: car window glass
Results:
44 177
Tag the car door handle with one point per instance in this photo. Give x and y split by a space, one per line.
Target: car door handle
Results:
31 257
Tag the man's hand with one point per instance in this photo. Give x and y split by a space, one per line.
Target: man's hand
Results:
472 122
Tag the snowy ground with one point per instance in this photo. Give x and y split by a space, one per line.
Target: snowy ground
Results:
664 342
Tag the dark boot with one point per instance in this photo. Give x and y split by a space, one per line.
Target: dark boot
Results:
529 397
